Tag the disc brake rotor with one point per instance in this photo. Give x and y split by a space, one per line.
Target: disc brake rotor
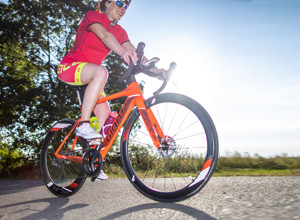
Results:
168 147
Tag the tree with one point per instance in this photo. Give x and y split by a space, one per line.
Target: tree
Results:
34 36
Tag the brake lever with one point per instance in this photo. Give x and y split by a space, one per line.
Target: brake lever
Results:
172 67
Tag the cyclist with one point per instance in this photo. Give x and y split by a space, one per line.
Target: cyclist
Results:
97 35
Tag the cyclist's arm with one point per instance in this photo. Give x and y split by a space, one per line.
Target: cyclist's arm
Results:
128 45
111 42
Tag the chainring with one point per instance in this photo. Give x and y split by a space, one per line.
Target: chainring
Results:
92 168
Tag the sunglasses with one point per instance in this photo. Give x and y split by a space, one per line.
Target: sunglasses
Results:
121 4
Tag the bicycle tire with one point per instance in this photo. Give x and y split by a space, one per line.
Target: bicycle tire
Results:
177 172
62 177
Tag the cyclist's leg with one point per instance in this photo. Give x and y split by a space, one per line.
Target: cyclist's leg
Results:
95 76
102 112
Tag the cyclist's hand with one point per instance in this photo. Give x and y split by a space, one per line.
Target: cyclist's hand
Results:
130 54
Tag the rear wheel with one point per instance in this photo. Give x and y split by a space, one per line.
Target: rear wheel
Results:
62 177
188 154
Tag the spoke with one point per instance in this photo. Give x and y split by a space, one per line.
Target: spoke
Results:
193 135
181 123
156 172
177 168
143 124
166 110
166 165
191 148
148 168
159 116
173 119
182 159
166 162
144 133
140 142
146 172
185 129
75 167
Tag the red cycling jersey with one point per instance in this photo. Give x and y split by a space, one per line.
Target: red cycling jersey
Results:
88 47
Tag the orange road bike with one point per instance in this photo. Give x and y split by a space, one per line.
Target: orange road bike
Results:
168 146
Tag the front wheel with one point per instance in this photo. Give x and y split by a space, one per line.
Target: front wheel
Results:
62 177
188 154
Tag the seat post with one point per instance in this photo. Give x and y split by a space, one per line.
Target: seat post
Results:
80 90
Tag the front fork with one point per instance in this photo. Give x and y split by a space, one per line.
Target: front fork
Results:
152 126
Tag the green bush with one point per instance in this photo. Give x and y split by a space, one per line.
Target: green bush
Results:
237 161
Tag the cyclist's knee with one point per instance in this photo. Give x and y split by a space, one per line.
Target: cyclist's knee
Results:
100 73
94 73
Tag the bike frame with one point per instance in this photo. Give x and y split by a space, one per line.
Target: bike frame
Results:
134 98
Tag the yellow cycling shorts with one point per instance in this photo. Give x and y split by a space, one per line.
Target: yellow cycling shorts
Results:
70 73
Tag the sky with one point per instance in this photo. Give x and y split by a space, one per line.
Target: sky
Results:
240 59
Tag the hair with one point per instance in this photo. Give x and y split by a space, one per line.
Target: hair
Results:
100 6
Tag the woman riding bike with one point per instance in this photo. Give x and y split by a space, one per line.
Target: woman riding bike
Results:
97 35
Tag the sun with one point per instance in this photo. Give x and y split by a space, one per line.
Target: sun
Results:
195 75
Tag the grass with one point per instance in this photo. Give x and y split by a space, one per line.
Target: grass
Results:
257 172
218 173
234 165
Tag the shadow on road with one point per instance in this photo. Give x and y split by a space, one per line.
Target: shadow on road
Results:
58 206
14 186
192 212
53 211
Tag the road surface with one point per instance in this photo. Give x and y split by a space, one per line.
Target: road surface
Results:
222 198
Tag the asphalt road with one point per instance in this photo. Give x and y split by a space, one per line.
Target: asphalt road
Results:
222 198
